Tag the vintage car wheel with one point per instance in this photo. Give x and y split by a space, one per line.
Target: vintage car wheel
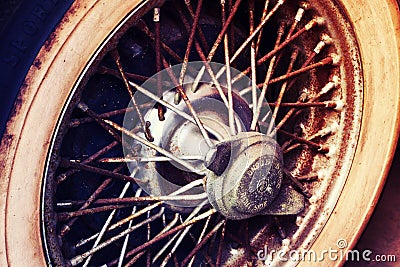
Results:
68 184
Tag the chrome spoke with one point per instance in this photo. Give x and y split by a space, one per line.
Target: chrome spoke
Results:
126 240
268 76
190 217
155 147
231 115
147 159
107 223
257 29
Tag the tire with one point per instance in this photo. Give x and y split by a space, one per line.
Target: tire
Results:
60 62
25 26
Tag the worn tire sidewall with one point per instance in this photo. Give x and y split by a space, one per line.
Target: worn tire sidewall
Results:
29 130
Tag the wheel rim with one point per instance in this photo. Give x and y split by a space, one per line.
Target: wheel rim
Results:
349 131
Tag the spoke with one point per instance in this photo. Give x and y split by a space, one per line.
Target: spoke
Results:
145 128
264 119
312 144
268 76
83 167
148 159
148 254
205 254
223 30
202 242
62 177
133 260
330 60
297 19
176 245
63 216
189 105
220 246
144 211
322 133
104 70
84 108
217 43
203 232
326 104
155 147
249 39
282 92
199 30
334 83
79 258
326 40
333 104
77 122
191 39
165 229
257 29
120 223
156 19
172 108
205 62
327 88
108 221
165 247
302 188
247 243
124 246
264 14
231 32
141 25
67 226
171 224
214 237
310 25
253 54
144 200
231 116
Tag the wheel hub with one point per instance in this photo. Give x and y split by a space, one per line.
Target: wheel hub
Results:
245 178
184 139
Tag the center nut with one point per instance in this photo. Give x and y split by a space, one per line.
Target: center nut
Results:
245 177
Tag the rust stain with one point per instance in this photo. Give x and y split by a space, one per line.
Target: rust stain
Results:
21 98
53 38
50 41
6 142
37 63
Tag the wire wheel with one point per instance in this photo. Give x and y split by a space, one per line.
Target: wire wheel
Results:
205 133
